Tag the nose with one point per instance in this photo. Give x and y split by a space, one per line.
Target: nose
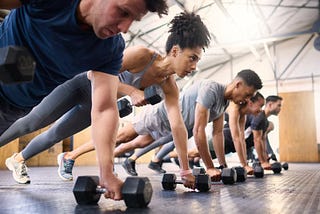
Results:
193 66
125 25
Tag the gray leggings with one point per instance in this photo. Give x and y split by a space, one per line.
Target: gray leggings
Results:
71 102
166 141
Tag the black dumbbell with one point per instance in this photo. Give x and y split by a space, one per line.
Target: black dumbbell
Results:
228 175
241 174
169 182
258 171
276 167
136 191
16 65
198 171
150 94
285 166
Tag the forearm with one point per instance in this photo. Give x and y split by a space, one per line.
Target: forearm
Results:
124 89
240 152
104 129
258 144
180 139
10 4
218 145
203 149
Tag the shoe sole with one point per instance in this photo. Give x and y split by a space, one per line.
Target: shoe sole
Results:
59 168
9 166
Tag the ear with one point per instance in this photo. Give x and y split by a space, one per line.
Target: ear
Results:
238 83
175 50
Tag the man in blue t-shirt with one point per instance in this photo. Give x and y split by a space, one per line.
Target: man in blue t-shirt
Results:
65 39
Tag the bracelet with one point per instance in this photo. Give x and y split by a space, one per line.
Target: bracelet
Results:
185 172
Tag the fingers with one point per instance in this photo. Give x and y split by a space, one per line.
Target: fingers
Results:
189 181
113 195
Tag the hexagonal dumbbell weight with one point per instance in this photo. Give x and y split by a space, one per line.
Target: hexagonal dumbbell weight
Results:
285 166
229 175
16 65
258 171
241 174
150 94
276 167
136 191
169 182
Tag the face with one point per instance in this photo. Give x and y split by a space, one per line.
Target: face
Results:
242 93
275 107
255 107
185 61
111 17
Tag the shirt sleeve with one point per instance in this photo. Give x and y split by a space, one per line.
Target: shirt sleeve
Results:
207 96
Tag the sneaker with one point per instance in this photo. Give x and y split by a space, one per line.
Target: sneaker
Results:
19 170
156 166
130 166
65 167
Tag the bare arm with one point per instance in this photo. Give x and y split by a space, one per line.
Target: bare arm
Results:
10 4
218 140
136 95
200 138
179 131
259 144
236 124
105 114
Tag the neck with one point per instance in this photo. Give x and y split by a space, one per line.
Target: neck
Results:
83 14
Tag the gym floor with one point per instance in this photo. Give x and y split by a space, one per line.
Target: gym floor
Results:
294 191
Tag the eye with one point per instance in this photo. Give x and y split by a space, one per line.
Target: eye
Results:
193 58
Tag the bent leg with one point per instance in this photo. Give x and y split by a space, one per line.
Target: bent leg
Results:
138 142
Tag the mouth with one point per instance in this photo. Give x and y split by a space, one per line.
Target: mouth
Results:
108 32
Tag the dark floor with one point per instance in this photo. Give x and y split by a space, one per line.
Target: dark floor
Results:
294 191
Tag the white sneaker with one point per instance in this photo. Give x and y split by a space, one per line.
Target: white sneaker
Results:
65 167
19 170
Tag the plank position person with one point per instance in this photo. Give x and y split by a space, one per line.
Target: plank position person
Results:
233 131
141 68
51 31
203 102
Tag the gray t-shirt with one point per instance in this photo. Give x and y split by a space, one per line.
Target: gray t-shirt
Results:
154 120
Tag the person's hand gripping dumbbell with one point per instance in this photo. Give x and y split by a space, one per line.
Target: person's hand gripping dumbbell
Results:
136 191
150 95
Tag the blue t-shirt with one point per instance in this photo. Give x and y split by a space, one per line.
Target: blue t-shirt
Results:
62 49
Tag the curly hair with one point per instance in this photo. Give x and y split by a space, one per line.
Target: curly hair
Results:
188 31
159 6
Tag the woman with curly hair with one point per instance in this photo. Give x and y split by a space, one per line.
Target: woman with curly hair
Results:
141 67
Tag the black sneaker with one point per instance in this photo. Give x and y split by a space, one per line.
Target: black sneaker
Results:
130 166
156 166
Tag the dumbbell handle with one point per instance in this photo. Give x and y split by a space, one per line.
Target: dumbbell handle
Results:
178 182
100 190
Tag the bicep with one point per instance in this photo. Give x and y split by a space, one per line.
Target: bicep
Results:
201 116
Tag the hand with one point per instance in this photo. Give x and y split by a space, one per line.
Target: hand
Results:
266 166
249 170
113 186
215 174
137 98
189 181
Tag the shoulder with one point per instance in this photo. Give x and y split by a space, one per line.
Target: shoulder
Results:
136 57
